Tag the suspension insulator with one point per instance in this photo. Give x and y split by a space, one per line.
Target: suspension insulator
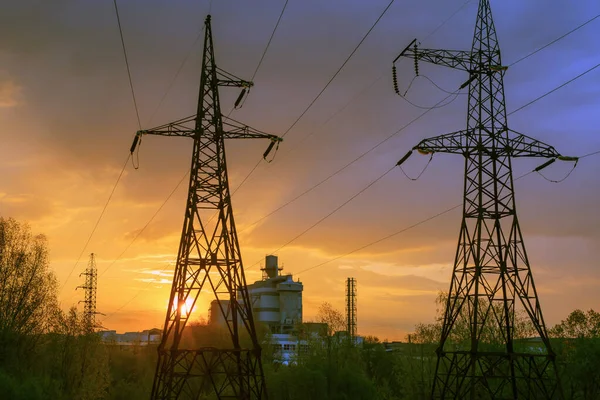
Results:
395 79
239 98
266 153
404 158
468 82
136 139
416 61
544 165
568 158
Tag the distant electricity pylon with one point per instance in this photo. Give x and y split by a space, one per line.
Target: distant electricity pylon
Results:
492 278
351 307
209 260
90 286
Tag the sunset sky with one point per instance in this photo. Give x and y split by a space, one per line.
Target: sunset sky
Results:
68 120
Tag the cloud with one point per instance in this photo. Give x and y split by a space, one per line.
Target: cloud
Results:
10 93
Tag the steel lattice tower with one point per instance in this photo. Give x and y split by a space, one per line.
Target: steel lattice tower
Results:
492 278
351 307
209 259
90 286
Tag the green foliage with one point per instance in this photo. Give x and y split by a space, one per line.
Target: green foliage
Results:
578 324
45 354
492 334
577 345
27 291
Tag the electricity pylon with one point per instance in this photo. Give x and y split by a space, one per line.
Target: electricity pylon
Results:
90 286
209 260
351 307
491 279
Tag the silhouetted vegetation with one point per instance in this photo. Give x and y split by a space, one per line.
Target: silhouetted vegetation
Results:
45 353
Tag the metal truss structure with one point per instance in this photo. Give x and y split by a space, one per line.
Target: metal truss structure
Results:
209 259
491 280
90 287
351 307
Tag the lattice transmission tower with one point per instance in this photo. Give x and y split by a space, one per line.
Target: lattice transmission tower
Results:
90 287
491 280
351 307
209 258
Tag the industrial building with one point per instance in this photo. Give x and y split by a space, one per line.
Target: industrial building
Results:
277 304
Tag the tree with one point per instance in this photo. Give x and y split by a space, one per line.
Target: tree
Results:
461 333
76 359
27 289
577 343
333 318
578 324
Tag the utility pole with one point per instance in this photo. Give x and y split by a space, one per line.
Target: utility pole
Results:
351 308
491 278
209 260
90 286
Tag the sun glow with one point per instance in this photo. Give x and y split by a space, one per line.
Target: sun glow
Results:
186 307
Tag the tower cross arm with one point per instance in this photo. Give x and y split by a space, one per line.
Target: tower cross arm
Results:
457 59
225 78
521 145
453 143
472 141
236 130
182 127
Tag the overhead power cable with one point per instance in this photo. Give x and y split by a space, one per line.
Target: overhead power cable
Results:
185 60
128 156
370 85
111 314
310 189
158 106
361 191
269 42
137 113
389 236
97 222
339 69
389 137
138 234
556 40
421 222
347 104
322 90
556 88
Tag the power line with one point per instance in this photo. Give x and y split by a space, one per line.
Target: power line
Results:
145 226
346 165
382 239
137 113
97 222
421 222
555 40
128 156
556 88
440 26
338 71
400 130
335 210
269 42
389 137
185 60
135 296
352 100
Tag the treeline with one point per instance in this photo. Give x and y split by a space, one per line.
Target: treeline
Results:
45 353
